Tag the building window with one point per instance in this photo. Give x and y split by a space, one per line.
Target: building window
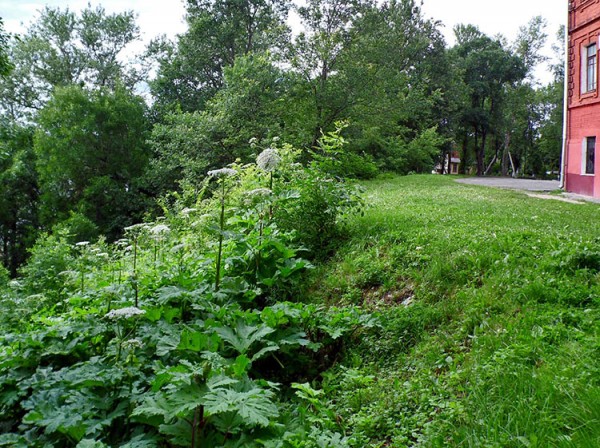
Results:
589 155
589 73
591 67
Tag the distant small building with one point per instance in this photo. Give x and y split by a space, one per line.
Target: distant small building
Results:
581 166
454 162
451 163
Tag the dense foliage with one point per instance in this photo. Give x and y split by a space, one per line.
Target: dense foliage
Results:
187 266
5 64
91 153
183 332
461 317
239 77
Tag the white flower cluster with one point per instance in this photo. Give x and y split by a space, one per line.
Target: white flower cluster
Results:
159 231
268 160
257 195
160 228
132 343
259 192
177 248
136 227
188 211
124 313
223 172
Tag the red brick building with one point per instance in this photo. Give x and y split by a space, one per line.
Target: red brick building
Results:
581 163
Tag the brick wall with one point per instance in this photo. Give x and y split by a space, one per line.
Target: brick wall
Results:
583 117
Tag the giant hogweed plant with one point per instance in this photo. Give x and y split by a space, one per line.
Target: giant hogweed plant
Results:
175 335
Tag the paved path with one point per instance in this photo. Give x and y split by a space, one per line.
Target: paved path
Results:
529 186
513 184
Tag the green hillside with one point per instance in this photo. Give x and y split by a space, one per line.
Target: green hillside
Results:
488 303
444 315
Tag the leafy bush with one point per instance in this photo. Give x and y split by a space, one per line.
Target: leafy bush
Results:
419 155
405 152
323 199
4 277
48 265
77 227
355 166
177 334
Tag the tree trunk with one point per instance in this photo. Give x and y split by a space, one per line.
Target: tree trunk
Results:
481 155
506 152
444 159
512 164
463 156
487 170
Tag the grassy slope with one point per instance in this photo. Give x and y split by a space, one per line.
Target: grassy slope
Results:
500 344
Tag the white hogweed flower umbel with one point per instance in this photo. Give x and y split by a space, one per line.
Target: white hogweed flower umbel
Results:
259 192
223 172
187 211
133 343
268 160
136 227
124 313
160 229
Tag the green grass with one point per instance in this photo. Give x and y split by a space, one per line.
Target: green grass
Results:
489 309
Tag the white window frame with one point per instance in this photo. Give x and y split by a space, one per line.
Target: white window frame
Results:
584 156
586 86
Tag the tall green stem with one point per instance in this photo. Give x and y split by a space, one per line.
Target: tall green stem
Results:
271 204
221 228
135 285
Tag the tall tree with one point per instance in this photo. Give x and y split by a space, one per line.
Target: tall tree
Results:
5 64
317 54
523 109
551 99
18 201
191 72
399 69
486 68
62 48
252 105
90 148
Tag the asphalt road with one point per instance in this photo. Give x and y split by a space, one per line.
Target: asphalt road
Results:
513 184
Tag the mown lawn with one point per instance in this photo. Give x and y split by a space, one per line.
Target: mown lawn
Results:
489 306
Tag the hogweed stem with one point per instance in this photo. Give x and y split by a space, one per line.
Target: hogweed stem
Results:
221 174
221 228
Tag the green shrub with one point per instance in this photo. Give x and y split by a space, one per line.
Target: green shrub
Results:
45 271
4 277
179 333
351 165
323 201
77 227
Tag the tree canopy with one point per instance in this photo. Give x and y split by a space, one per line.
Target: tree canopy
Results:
62 48
84 153
90 148
5 64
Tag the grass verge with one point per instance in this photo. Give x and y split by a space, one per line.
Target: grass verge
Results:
488 303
